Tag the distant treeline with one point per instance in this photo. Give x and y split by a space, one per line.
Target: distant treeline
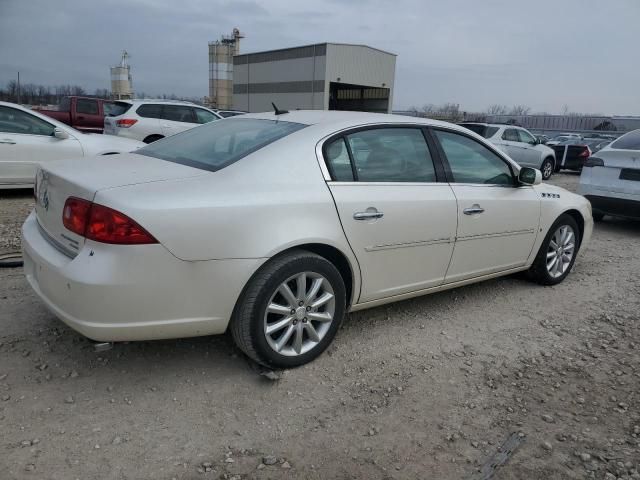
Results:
32 94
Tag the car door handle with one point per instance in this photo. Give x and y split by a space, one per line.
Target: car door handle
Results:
8 142
368 215
473 209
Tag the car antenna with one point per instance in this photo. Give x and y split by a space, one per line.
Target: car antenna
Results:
277 111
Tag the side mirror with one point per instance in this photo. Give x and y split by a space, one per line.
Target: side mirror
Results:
530 176
60 134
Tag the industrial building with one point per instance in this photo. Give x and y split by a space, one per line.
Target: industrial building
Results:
324 76
121 83
221 54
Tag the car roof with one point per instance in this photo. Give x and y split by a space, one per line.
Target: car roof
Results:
327 117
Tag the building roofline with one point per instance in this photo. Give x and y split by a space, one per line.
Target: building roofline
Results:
316 45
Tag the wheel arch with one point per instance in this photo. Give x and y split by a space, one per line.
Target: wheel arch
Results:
337 258
577 216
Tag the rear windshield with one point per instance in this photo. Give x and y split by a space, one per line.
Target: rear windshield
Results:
217 144
629 141
113 109
482 130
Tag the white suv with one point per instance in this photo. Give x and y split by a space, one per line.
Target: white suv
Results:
611 179
151 120
519 144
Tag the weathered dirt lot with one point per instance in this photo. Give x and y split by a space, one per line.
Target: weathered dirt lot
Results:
426 388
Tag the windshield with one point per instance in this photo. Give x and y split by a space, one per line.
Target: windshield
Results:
217 144
114 109
482 130
629 141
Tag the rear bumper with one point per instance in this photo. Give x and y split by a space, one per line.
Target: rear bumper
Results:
622 207
136 292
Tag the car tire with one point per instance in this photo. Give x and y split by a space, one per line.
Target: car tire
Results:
547 168
544 270
152 138
296 337
597 216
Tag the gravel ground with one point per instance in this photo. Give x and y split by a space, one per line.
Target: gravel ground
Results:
426 388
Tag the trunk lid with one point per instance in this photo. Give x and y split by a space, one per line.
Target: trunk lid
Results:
83 177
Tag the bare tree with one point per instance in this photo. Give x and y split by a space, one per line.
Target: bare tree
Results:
519 110
497 109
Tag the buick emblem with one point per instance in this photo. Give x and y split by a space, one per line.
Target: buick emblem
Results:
43 194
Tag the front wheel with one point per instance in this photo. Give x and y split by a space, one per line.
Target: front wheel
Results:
547 168
557 252
290 310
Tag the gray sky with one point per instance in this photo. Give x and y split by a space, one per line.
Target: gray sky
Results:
542 53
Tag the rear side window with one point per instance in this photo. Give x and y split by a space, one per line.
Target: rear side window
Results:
218 144
482 130
87 106
629 141
65 105
381 155
178 113
115 109
150 110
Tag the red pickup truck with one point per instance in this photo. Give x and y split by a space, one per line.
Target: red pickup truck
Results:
83 113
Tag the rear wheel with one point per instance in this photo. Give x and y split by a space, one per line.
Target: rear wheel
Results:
152 138
547 168
290 311
557 252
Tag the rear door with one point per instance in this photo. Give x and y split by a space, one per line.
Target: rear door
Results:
497 219
88 117
176 119
27 141
399 220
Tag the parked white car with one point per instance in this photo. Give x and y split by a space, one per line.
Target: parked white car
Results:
29 139
610 179
151 120
274 226
517 142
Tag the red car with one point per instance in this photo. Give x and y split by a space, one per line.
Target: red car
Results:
83 113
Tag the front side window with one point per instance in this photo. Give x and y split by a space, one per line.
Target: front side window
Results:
178 113
17 121
382 155
217 144
472 162
526 137
87 106
204 116
511 135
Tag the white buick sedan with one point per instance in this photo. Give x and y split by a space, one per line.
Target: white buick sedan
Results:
275 225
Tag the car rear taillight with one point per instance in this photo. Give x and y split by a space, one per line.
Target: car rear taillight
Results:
75 214
103 224
586 153
126 122
594 162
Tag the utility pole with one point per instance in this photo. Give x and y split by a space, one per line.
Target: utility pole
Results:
18 88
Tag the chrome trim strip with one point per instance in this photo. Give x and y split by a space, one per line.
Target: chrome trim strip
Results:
54 243
418 243
494 235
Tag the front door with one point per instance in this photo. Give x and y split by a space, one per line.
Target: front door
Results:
27 141
497 219
530 156
176 119
399 221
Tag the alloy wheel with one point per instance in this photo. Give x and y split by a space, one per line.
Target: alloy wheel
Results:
547 170
299 314
561 250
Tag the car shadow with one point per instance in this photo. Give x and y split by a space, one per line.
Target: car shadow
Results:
619 225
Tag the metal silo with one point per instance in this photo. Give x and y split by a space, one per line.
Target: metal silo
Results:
221 54
121 86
